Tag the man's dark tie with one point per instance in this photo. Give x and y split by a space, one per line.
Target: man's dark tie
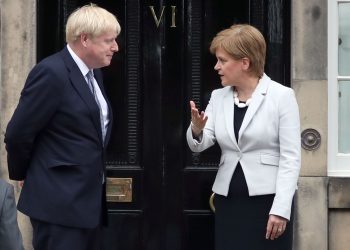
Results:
90 77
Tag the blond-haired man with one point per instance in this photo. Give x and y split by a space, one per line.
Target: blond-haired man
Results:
57 136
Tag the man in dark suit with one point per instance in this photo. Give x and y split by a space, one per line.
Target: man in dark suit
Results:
10 236
57 136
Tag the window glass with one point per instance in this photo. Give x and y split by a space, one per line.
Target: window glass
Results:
344 39
344 117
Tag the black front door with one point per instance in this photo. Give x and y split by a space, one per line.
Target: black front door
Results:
158 190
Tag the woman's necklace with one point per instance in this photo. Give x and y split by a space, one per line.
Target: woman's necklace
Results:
241 104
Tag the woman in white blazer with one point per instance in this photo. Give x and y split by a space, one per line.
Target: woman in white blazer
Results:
256 123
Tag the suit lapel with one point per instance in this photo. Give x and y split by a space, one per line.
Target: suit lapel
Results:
257 99
80 85
229 114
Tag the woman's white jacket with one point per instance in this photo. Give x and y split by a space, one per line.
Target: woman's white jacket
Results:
269 142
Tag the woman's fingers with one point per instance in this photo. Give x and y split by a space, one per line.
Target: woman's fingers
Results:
276 226
268 229
195 115
194 110
192 104
204 118
198 119
274 232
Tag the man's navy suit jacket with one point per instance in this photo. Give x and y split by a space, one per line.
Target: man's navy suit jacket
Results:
54 143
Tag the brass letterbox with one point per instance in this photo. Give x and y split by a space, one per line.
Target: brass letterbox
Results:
119 189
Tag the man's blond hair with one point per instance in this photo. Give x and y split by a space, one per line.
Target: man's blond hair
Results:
90 20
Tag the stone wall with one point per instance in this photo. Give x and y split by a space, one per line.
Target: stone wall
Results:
323 203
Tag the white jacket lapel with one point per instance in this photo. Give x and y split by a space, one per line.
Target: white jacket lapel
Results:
257 98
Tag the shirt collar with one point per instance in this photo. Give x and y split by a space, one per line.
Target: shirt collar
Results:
82 66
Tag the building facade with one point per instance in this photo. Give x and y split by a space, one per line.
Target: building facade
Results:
152 196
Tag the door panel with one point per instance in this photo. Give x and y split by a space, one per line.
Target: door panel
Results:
158 70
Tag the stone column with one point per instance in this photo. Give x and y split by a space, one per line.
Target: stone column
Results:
309 80
17 57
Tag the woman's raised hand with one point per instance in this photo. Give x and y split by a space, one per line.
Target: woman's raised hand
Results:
198 120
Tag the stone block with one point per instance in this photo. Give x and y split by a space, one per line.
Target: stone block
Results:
338 193
339 224
309 39
311 214
313 114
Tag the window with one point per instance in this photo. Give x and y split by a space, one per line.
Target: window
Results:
339 88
